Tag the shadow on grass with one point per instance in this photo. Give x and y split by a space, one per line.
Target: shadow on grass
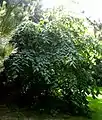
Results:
94 104
23 114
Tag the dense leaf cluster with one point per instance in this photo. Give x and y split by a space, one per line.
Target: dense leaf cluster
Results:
53 62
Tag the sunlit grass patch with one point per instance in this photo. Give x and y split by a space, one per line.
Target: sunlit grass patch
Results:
96 106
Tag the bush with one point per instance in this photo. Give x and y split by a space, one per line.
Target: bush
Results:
97 72
54 62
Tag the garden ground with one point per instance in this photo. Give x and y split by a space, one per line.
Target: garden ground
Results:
95 105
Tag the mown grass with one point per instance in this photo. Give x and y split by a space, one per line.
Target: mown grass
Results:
96 107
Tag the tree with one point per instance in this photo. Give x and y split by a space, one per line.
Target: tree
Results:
38 12
12 13
10 17
97 28
54 59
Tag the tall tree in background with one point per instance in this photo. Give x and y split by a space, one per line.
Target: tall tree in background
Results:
12 13
97 28
38 12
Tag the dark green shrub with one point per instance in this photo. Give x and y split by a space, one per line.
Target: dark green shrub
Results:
97 72
54 61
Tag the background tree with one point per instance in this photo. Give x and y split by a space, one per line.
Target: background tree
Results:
12 13
97 28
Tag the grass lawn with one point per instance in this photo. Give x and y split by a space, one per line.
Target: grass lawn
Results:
95 106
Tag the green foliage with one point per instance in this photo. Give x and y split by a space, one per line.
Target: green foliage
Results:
97 28
97 72
5 51
10 17
8 23
55 59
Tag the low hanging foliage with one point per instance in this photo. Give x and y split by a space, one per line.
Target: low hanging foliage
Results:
54 59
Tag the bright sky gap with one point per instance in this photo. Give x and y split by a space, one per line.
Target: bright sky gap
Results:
92 8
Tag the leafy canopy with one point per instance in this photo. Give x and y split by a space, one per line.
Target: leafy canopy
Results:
56 56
